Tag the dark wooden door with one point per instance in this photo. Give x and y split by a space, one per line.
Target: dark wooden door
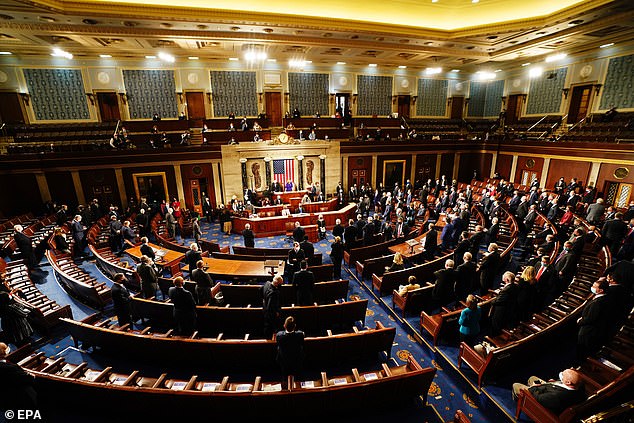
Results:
108 106
195 105
273 104
457 104
513 108
10 108
403 105
342 101
579 103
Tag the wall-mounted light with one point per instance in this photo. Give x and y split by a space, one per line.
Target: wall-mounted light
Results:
565 92
91 97
180 97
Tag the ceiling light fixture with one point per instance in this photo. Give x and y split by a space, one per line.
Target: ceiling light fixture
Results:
193 58
105 56
150 57
58 52
271 60
372 65
402 67
455 70
484 76
436 71
233 59
475 1
434 1
5 53
341 63
555 57
166 57
535 72
497 70
606 45
525 64
252 56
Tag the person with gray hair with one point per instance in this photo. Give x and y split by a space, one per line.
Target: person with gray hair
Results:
504 308
443 292
271 305
25 245
170 222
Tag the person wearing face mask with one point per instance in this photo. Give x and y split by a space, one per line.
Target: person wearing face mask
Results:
295 257
593 323
555 395
504 308
565 267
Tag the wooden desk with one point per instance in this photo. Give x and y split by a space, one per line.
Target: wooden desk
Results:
169 261
276 225
240 269
407 252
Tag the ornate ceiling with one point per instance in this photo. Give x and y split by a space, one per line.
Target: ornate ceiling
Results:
453 34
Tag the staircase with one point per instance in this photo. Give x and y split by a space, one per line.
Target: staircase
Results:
197 136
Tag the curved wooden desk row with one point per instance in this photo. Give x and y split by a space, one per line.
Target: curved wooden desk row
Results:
83 286
314 207
268 226
319 352
58 381
6 228
110 265
237 321
37 230
45 312
529 338
315 260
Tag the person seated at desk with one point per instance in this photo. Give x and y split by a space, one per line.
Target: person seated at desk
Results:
305 199
411 285
231 127
278 201
555 395
312 136
256 126
286 211
256 138
397 264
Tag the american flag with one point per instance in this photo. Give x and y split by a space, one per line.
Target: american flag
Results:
284 170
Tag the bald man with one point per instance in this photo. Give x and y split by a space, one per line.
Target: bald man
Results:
555 395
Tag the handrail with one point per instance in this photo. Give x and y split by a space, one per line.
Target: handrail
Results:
578 123
535 124
552 127
405 122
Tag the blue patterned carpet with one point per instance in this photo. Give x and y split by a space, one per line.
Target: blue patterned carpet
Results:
449 391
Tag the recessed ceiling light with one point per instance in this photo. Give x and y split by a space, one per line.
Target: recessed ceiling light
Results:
341 63
233 59
606 45
372 65
433 71
271 60
193 57
150 57
308 61
475 1
402 67
434 1
455 70
166 57
105 56
5 53
535 72
497 70
58 52
525 64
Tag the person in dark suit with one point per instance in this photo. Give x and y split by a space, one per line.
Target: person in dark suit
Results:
25 245
565 266
554 395
613 233
578 242
249 236
548 245
295 257
476 240
504 307
466 277
290 349
337 230
626 252
115 233
621 301
298 232
208 210
350 235
20 390
308 248
463 246
446 237
146 250
77 230
271 305
431 242
184 308
204 283
401 229
546 283
443 291
623 272
492 232
192 256
149 277
304 283
488 268
593 323
121 300
127 236
336 255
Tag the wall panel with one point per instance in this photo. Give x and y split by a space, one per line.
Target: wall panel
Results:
375 95
544 95
309 92
60 185
57 94
478 162
234 92
149 92
503 166
568 169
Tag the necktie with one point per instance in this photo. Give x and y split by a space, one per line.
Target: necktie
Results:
541 270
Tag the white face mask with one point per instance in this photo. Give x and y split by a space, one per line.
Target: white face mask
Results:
561 377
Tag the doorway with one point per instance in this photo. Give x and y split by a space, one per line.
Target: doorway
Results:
342 103
618 194
579 103
10 108
527 177
195 105
108 106
513 108
457 104
152 186
403 102
273 106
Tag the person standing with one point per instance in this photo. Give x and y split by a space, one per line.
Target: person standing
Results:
115 233
128 236
336 255
249 236
504 307
469 321
149 277
271 305
184 308
25 245
196 232
594 321
121 300
192 256
290 349
304 283
488 268
203 283
79 236
170 222
13 315
295 257
20 392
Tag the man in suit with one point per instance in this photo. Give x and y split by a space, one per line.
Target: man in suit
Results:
548 245
626 252
121 300
560 185
443 292
565 265
337 230
554 395
184 308
578 242
431 242
529 220
271 305
595 212
208 210
593 323
146 250
204 283
143 222
553 209
304 283
504 306
308 248
149 277
350 235
295 257
623 272
170 222
466 277
20 392
492 232
613 233
77 229
298 232
249 236
25 245
446 235
463 246
360 223
197 233
401 229
115 233
515 202
192 256
290 349
489 267
476 240
546 282
127 236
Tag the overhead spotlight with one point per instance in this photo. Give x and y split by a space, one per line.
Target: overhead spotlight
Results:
341 63
261 55
372 65
535 72
297 63
233 59
402 67
5 53
455 70
555 57
434 1
166 57
606 45
475 1
150 57
58 52
105 56
249 56
436 71
271 60
497 70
